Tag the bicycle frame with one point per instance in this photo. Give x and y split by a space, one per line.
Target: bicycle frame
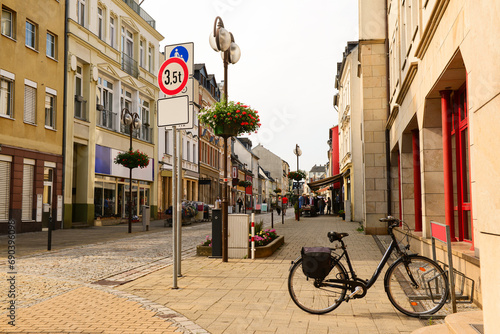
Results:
366 284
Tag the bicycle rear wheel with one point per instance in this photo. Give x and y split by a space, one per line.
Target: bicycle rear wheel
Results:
426 297
313 295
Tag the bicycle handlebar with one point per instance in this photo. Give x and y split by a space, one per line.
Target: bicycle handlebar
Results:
393 222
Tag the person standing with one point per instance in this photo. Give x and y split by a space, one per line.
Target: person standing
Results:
284 201
218 203
329 206
240 204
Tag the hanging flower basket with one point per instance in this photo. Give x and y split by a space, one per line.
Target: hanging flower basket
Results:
277 191
132 159
297 176
245 184
232 120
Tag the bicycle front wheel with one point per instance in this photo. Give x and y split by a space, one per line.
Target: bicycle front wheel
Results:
313 295
425 294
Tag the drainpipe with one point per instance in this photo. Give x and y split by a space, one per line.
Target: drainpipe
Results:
387 136
65 103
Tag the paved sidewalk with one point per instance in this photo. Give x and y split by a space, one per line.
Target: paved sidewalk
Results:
76 289
251 296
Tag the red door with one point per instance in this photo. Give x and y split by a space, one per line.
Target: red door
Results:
461 166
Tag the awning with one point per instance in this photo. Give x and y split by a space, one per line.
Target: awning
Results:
315 185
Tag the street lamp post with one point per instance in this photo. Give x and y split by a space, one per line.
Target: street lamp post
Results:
298 152
133 121
222 41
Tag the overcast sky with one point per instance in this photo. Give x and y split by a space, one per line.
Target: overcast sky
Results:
289 48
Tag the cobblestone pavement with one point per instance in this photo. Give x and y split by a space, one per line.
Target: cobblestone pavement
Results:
66 276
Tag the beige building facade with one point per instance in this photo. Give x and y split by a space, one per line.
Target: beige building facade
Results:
31 114
444 99
113 63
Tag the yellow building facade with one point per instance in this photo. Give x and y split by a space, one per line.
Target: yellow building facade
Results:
32 63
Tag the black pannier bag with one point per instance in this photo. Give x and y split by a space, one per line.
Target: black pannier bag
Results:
316 262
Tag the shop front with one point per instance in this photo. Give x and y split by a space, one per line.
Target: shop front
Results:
112 186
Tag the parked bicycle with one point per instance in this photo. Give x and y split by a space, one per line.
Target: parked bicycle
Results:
318 282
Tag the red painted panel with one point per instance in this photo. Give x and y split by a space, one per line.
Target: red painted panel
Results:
439 231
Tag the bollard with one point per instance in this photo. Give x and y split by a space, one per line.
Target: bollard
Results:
282 217
272 219
253 236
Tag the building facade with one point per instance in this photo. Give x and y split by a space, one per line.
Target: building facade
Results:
444 100
113 63
349 131
31 113
277 167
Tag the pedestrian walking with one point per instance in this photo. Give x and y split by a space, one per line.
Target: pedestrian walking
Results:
329 206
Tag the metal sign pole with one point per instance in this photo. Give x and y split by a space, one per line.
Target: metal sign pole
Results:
174 208
179 206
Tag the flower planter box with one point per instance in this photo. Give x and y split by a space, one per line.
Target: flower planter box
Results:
203 250
268 250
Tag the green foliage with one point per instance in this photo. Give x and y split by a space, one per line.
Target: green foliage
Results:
242 117
245 184
132 159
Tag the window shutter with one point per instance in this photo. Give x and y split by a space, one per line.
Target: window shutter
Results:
4 189
29 104
27 208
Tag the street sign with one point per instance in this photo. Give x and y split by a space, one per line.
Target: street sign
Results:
174 111
173 76
184 51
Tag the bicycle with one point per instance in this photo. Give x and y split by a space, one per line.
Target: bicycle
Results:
318 282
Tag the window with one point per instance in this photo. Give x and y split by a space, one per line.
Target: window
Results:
30 102
141 53
194 153
100 23
6 97
80 11
150 59
105 117
48 177
27 198
188 151
50 111
112 31
8 23
30 35
80 103
51 46
127 42
5 162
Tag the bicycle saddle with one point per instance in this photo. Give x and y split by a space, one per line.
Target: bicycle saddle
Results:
334 236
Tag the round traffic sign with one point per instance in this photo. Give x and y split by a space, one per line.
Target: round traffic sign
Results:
173 76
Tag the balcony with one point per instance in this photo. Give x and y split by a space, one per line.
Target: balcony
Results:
145 133
106 119
141 12
129 65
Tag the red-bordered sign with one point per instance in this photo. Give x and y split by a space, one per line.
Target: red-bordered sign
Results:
173 76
